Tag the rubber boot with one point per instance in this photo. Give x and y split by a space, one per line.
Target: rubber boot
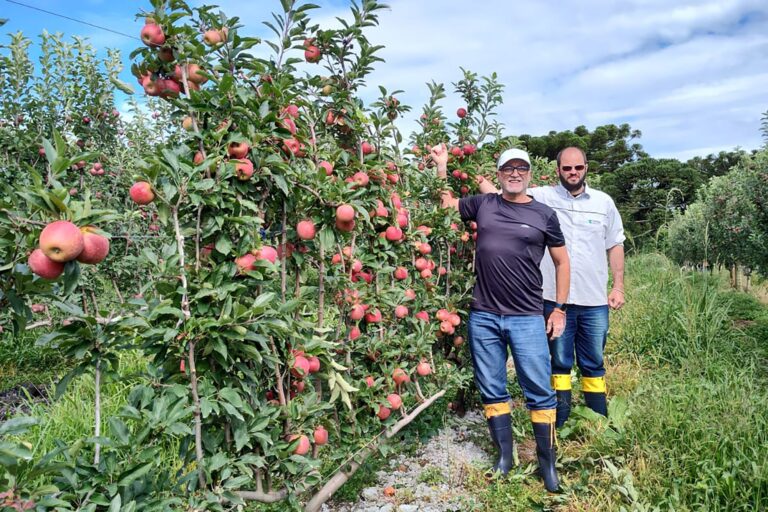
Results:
594 394
563 407
596 402
501 432
545 452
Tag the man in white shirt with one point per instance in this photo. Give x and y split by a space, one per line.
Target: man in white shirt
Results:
594 236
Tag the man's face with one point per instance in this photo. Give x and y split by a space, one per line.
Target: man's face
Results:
572 170
514 176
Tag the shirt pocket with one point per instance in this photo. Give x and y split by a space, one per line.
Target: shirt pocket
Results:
590 222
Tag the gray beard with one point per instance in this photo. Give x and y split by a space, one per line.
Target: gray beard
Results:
573 188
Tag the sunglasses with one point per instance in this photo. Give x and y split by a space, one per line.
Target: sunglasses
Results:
568 168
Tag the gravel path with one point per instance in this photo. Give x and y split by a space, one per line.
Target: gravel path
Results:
432 480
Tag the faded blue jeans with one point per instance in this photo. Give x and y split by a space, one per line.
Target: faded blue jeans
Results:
489 336
586 329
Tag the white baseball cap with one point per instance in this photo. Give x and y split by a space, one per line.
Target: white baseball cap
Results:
512 154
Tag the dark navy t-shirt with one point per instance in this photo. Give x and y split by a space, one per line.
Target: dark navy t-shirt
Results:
511 240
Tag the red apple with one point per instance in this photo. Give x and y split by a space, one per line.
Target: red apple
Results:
383 413
213 37
462 113
423 316
421 264
327 166
423 369
245 263
303 447
266 253
345 213
367 148
410 294
243 169
395 401
292 110
95 248
321 436
373 317
401 273
300 368
401 311
312 54
61 241
400 377
361 179
152 35
354 333
44 266
238 149
306 229
369 381
393 233
141 193
357 312
314 364
458 341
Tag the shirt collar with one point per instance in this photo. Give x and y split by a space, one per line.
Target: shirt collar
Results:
561 190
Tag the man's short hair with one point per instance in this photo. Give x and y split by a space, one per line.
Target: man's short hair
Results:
560 154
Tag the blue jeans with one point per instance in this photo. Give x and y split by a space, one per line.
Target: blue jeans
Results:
489 336
586 329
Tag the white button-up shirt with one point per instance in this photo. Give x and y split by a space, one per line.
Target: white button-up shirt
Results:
591 225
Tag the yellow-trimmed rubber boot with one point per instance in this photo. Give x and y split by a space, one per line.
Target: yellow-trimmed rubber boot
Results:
594 394
499 419
544 431
561 383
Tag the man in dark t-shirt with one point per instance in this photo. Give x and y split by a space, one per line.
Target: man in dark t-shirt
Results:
507 309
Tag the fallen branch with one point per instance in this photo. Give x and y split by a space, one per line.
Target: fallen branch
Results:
342 476
338 479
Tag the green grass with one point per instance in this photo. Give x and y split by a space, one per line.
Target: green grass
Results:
22 362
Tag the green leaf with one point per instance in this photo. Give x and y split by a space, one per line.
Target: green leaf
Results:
223 244
126 88
327 238
17 426
217 461
116 504
281 183
119 429
231 396
71 276
129 476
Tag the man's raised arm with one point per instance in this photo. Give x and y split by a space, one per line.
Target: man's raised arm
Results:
439 155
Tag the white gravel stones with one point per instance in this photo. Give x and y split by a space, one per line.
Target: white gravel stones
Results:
431 480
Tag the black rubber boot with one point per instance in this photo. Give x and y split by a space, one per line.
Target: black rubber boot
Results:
563 407
595 401
545 451
501 433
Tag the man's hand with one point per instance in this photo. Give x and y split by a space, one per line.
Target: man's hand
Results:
439 155
555 323
616 299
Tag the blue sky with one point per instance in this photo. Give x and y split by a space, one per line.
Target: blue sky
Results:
690 74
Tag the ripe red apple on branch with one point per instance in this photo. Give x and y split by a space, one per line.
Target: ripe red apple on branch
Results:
95 246
44 266
62 241
152 34
141 193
